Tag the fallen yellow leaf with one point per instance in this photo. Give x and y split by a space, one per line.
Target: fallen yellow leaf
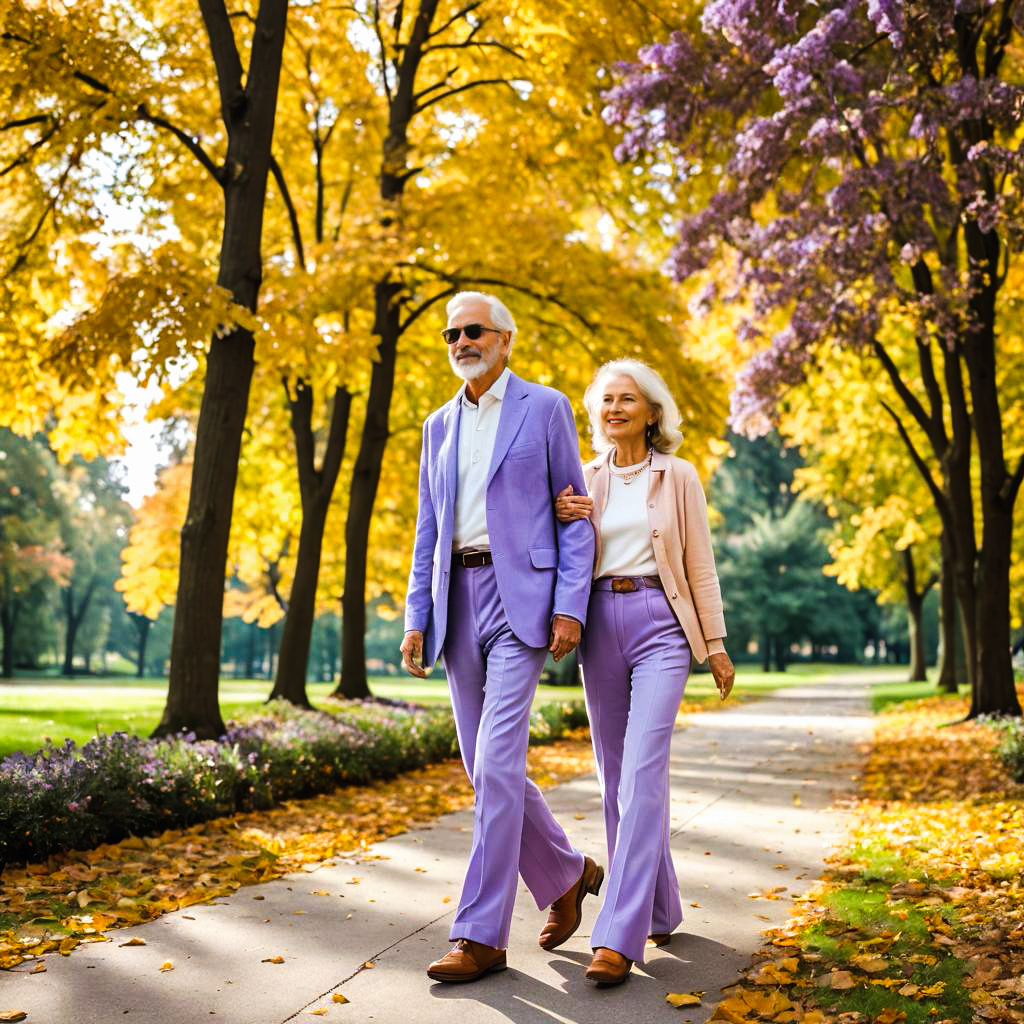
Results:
890 1016
872 965
683 998
272 960
133 942
841 980
319 1013
167 966
13 1015
38 969
934 990
338 998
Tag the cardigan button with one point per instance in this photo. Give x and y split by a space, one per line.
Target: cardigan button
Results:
655 533
674 596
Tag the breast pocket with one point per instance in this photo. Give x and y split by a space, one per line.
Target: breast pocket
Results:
528 450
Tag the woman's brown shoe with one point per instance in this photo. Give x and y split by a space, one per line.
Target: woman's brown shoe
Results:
660 939
566 912
608 967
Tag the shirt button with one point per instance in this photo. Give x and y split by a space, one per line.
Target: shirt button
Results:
655 533
651 505
674 596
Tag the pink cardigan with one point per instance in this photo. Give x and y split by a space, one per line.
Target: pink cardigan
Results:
677 513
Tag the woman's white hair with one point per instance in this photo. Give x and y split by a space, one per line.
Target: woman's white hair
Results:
664 434
500 316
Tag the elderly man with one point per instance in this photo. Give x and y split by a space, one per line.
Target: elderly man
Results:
496 583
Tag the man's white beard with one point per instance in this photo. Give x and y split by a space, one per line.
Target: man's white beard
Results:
472 370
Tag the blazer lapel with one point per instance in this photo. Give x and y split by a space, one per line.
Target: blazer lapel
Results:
450 452
513 411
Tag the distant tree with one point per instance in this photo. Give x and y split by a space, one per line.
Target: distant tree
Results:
32 557
772 557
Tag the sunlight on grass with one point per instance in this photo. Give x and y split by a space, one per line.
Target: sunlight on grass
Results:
33 709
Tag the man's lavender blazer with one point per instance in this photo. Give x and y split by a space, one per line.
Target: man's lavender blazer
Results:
543 567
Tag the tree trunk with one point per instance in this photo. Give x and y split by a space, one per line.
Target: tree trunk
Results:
949 642
915 617
8 619
143 625
996 693
766 651
780 654
248 112
402 108
74 617
316 488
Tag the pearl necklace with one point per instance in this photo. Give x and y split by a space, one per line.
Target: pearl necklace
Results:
630 477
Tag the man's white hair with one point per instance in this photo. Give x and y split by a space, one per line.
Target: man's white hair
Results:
664 435
500 316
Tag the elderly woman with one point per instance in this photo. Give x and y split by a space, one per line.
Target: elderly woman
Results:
655 603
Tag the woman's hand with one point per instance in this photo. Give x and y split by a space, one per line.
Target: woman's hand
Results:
724 673
570 507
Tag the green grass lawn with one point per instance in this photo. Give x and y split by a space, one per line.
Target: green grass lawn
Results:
34 708
886 693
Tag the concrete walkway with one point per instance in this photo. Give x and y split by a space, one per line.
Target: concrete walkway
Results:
750 788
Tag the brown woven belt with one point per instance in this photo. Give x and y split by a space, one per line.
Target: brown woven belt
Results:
627 584
472 559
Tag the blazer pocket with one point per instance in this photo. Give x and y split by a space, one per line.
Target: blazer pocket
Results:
529 450
544 558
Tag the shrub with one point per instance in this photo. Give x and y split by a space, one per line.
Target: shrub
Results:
1011 749
63 797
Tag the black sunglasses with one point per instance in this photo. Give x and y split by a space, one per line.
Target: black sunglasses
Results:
472 332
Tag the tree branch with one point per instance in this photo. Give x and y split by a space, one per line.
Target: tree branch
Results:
420 107
1013 487
24 122
190 143
423 307
293 216
457 16
922 467
337 434
468 43
383 53
26 155
225 57
909 399
50 206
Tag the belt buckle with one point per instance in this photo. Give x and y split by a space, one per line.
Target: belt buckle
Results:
623 585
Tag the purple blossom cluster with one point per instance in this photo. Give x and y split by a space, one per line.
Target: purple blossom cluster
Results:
843 150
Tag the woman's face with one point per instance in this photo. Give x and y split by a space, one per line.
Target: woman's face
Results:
625 413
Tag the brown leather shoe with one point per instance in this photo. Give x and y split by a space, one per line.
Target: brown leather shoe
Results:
566 912
608 967
660 939
468 961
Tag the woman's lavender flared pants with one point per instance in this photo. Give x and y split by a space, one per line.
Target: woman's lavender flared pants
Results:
492 676
635 664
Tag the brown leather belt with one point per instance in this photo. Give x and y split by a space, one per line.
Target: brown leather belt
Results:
627 584
472 559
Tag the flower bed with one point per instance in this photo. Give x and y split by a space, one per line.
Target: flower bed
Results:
66 797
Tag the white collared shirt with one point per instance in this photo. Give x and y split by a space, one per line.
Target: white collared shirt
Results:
478 428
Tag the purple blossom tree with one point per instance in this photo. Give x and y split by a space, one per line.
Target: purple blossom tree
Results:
863 160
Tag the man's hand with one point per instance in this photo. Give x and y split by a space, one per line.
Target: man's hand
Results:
412 654
724 673
565 635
